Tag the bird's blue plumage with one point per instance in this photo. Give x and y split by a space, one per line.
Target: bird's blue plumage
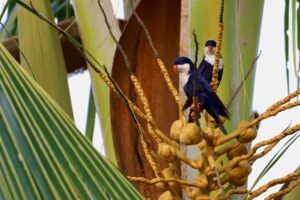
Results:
205 68
206 96
206 65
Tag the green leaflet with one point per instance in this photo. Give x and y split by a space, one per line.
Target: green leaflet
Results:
45 155
294 32
286 41
96 40
91 116
41 47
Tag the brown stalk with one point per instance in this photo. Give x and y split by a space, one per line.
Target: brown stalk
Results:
167 180
261 117
214 82
252 152
280 193
281 180
284 100
234 191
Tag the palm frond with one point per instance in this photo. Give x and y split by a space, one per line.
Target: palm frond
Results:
44 154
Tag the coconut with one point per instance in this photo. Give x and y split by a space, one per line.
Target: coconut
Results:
161 185
238 181
248 135
238 176
166 196
176 129
239 150
241 171
171 172
166 152
191 134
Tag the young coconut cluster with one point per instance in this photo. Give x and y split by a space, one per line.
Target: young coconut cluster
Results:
185 133
213 175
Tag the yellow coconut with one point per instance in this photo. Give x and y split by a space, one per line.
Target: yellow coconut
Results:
238 181
161 185
191 134
248 135
243 124
239 150
176 129
171 172
166 196
166 152
241 171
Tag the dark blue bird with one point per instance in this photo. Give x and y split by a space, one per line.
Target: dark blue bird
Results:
207 63
207 98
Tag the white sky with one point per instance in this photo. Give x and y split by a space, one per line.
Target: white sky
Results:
270 87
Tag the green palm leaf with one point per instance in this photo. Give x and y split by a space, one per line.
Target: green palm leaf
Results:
286 42
42 153
41 47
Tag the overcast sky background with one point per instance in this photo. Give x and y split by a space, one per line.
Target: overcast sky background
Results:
270 86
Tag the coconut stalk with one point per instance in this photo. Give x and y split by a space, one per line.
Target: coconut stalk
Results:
205 20
235 47
239 20
249 21
96 40
43 54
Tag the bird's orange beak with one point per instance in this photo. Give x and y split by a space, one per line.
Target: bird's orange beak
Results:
175 68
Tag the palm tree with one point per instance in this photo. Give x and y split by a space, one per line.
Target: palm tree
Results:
40 141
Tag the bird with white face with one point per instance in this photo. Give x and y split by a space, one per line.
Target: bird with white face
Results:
208 99
207 63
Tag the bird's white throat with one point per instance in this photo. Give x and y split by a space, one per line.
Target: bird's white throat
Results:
210 57
183 73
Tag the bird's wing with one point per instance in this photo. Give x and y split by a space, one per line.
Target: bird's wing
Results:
212 107
220 74
205 88
189 86
201 66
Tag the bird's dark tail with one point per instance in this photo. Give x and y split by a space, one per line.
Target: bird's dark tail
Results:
213 111
215 107
220 107
220 125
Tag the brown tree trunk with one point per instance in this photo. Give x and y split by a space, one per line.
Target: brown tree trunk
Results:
162 18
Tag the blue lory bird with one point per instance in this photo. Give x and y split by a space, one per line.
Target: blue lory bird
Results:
207 63
207 98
